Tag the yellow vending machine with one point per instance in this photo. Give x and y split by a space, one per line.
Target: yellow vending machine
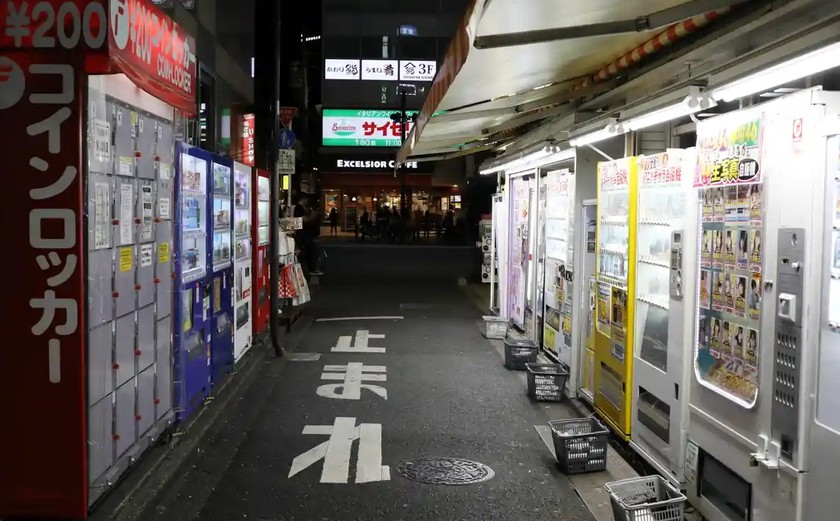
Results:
615 277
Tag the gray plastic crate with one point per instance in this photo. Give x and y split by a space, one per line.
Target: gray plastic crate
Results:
519 352
646 498
580 445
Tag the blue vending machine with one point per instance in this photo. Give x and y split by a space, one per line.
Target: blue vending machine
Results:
192 333
220 242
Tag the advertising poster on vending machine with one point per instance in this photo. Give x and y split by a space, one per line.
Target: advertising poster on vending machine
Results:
729 178
557 336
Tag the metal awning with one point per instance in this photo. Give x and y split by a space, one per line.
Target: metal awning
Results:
512 63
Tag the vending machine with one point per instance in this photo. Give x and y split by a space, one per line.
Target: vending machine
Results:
558 287
762 436
242 259
192 334
523 200
615 280
261 199
220 238
666 242
821 499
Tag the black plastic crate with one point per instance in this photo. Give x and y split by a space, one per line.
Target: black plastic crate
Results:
580 445
547 382
519 352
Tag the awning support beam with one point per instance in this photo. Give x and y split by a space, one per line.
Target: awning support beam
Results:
639 24
601 152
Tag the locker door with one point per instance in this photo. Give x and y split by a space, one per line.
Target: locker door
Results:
163 366
146 140
145 337
100 362
124 349
145 211
163 269
100 438
125 432
145 400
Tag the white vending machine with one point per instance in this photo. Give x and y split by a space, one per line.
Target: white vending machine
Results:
666 246
242 261
762 439
822 501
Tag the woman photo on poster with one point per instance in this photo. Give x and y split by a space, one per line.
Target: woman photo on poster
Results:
754 297
703 333
728 292
717 248
706 254
738 341
729 249
705 288
755 251
754 198
726 338
719 208
741 296
714 342
750 355
743 254
717 292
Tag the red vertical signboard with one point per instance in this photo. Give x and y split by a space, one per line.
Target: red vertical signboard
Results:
42 375
248 144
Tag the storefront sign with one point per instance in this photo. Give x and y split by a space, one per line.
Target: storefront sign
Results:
615 175
728 150
411 70
362 128
154 52
380 70
342 69
248 127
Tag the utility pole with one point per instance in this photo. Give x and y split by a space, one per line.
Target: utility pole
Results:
403 122
267 101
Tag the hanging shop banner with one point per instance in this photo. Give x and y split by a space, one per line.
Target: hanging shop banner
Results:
157 54
728 150
342 69
42 376
380 70
362 128
248 143
731 255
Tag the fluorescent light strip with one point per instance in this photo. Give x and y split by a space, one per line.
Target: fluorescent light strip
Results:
660 116
536 160
786 72
598 135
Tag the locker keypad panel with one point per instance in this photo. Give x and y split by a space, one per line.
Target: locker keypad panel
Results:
787 339
129 285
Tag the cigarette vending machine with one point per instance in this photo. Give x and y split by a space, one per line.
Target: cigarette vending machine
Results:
763 315
821 498
615 279
261 203
220 242
666 243
242 258
192 334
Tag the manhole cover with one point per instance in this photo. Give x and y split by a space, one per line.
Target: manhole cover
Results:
446 471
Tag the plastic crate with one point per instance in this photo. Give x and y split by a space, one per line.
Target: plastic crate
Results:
519 352
580 445
547 382
495 327
646 498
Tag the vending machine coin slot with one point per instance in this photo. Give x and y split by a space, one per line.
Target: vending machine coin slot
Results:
787 342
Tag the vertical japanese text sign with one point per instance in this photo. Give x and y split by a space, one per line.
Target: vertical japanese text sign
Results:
43 47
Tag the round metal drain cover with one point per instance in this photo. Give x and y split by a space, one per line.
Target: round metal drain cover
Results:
446 471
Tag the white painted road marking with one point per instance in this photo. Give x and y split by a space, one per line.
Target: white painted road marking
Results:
339 319
336 452
352 376
345 343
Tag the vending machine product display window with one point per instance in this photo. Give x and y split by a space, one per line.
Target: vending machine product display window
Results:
222 246
559 255
263 209
731 257
193 218
522 197
242 262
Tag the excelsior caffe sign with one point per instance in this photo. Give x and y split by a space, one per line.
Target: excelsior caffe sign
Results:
367 164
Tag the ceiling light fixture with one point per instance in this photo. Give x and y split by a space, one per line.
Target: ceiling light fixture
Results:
791 70
695 101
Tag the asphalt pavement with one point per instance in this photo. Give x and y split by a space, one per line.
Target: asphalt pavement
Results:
323 438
